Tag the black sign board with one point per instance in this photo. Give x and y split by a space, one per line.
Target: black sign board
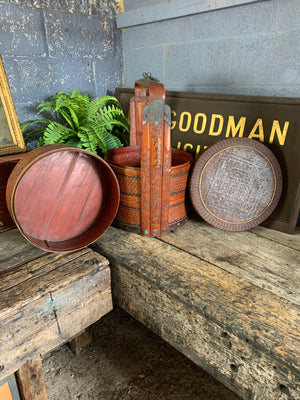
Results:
199 120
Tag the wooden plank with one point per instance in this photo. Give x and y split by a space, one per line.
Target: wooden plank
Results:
237 363
53 299
31 381
173 9
16 250
81 340
245 336
19 284
269 260
292 241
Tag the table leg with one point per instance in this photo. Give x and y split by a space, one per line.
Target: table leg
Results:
31 381
81 340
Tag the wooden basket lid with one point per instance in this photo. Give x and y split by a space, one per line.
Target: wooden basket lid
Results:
62 198
236 184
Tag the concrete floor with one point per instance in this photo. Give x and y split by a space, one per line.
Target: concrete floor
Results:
126 361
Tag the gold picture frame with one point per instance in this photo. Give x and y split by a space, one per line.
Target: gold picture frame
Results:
11 138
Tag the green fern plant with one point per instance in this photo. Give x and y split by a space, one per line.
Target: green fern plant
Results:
98 125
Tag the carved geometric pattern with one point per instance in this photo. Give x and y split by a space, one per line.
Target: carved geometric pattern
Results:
237 184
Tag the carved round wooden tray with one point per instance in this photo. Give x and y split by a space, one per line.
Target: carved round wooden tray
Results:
236 184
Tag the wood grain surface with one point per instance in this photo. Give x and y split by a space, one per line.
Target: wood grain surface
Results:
46 299
229 301
15 250
31 381
271 262
62 198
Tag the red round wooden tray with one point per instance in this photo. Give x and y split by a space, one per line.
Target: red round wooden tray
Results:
62 198
236 184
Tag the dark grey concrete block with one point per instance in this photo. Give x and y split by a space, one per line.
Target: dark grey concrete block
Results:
26 111
34 80
109 68
107 79
105 10
21 31
66 6
45 51
76 36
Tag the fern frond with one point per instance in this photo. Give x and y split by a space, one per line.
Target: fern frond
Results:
45 106
71 117
75 141
98 103
75 93
72 109
119 124
35 133
60 94
57 133
103 122
97 133
111 117
25 125
111 112
96 125
112 141
106 140
82 106
76 108
86 141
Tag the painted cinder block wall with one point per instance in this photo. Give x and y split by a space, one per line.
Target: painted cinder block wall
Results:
47 46
249 49
53 45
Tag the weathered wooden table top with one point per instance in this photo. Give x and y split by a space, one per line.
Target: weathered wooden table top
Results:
228 300
46 299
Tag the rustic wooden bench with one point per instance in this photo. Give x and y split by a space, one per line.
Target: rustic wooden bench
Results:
228 301
46 299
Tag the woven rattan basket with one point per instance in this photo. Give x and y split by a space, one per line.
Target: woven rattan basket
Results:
152 176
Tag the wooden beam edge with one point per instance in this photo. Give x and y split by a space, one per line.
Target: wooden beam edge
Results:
174 9
264 304
60 327
204 340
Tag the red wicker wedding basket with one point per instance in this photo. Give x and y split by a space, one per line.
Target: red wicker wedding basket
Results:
152 176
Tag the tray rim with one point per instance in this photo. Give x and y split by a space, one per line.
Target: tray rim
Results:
33 157
207 156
